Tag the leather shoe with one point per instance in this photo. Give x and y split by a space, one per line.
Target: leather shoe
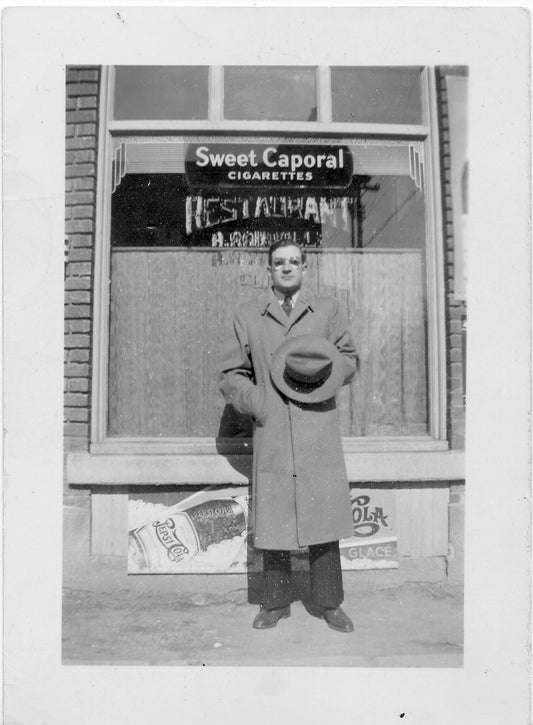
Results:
268 618
338 620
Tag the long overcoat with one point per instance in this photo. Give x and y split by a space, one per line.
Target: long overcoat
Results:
299 488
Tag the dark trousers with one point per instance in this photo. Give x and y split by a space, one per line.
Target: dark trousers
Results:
325 572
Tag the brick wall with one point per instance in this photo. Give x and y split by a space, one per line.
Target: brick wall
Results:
456 309
82 86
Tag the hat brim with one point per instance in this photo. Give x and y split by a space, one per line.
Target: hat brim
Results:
307 393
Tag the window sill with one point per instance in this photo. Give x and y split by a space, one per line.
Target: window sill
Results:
209 469
235 446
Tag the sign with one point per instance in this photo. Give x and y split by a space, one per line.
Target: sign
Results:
258 220
264 238
208 532
268 165
160 210
374 544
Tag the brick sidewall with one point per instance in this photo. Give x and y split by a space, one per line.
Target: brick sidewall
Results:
455 309
82 92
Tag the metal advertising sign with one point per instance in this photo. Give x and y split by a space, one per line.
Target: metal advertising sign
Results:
374 544
208 532
268 165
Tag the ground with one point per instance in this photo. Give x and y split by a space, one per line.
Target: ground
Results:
413 624
411 616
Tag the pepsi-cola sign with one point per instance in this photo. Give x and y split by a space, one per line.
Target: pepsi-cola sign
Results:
268 165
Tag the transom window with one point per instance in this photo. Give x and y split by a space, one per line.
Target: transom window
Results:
266 93
376 95
379 95
160 92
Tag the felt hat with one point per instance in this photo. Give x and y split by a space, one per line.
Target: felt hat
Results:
308 369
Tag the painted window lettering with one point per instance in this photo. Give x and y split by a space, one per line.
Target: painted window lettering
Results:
204 212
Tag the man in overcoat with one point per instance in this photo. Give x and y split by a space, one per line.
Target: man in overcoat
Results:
289 352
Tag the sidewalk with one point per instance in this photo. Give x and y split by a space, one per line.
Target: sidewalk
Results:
110 618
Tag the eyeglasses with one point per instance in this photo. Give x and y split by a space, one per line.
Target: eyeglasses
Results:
280 263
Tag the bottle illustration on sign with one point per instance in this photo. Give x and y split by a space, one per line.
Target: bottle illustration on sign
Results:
187 533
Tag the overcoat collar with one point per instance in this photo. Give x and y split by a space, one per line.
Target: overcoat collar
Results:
268 302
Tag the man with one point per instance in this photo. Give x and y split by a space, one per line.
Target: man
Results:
290 351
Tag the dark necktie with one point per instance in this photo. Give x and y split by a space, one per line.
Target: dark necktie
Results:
287 305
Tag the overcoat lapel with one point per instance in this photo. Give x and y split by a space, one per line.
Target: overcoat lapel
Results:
268 304
306 300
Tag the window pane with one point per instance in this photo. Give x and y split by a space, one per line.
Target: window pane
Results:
376 95
389 213
183 257
161 92
169 320
380 202
381 212
275 94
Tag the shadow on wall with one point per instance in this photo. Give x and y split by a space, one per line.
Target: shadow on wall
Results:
234 441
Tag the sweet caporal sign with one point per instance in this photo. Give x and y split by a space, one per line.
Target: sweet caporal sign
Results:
280 165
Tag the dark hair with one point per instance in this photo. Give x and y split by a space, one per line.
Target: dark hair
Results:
284 243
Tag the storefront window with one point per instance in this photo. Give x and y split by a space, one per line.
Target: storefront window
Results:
376 95
259 93
191 222
188 216
161 92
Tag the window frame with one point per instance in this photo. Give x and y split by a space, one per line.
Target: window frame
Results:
436 439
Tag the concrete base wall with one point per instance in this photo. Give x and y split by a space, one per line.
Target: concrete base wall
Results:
83 571
456 539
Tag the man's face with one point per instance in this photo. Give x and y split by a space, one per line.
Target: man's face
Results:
287 269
